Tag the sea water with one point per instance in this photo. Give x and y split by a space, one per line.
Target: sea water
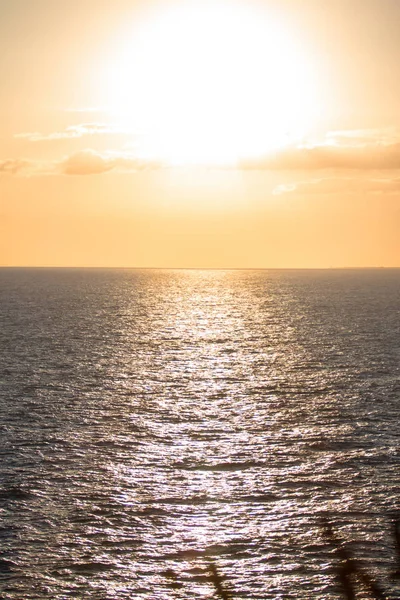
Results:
154 421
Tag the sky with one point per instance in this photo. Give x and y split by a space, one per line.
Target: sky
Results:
200 134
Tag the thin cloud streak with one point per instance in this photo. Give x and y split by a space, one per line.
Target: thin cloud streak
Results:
89 162
363 137
340 185
349 149
371 159
74 131
319 157
15 166
84 162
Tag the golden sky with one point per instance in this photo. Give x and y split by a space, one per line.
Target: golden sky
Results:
200 133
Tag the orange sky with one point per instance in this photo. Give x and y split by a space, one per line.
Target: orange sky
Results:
179 133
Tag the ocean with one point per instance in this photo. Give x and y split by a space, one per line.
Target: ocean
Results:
155 422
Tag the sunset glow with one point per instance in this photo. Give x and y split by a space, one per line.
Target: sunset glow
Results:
211 83
200 133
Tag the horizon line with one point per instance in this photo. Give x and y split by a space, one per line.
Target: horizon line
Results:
348 268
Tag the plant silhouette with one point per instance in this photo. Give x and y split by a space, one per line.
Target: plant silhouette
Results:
351 575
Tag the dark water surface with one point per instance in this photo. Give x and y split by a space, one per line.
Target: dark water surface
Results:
150 420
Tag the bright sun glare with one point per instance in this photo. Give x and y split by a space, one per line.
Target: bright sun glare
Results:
211 82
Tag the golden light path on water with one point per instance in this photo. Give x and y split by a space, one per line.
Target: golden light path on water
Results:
241 443
178 417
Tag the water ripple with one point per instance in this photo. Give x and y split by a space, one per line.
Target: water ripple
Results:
152 421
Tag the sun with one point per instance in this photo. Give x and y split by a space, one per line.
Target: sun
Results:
211 82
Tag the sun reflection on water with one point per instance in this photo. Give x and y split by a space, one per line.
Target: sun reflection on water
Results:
204 416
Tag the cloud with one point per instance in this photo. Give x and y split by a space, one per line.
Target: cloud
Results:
337 165
362 137
26 168
74 131
365 149
319 157
340 185
86 162
89 162
14 166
